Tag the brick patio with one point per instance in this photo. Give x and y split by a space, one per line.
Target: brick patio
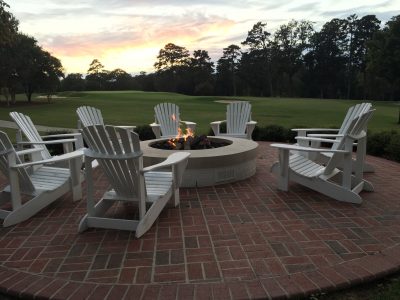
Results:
241 240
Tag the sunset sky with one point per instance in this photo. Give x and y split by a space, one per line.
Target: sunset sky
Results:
129 34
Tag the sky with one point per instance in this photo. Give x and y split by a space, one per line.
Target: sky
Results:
129 34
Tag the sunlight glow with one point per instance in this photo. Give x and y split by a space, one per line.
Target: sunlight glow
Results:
129 34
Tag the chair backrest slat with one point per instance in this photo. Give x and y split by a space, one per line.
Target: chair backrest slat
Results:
237 115
356 130
26 125
352 113
6 146
89 116
167 115
122 173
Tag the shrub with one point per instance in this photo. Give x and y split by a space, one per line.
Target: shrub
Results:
393 148
377 142
145 132
272 133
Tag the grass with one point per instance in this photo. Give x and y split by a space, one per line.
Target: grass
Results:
387 288
136 108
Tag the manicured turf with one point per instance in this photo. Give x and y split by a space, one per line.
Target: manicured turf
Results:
136 108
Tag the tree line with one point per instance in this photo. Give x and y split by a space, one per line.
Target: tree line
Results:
350 58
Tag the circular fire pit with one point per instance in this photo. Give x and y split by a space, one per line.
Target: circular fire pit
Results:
207 167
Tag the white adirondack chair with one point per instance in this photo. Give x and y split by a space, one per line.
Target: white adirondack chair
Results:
238 121
119 155
167 121
306 137
88 115
27 127
328 179
43 185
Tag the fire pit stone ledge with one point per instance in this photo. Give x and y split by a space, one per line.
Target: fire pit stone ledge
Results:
207 167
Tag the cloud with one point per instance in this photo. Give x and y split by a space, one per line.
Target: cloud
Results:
305 7
141 32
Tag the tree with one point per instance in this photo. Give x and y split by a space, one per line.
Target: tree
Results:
201 71
50 74
34 68
383 55
290 42
96 77
172 57
8 32
119 79
73 82
172 67
255 66
365 29
8 25
227 67
326 59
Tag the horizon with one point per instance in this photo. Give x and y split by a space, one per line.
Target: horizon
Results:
112 31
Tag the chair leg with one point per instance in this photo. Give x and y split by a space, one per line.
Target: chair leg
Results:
175 199
283 179
76 187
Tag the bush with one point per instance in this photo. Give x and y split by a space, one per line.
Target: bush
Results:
145 132
273 133
377 142
393 148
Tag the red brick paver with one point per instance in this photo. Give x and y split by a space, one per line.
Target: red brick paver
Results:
233 241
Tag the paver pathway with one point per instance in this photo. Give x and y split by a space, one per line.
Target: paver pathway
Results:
241 240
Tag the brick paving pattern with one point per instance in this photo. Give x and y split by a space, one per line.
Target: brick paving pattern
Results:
233 241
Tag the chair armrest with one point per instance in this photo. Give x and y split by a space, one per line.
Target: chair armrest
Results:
306 149
250 128
28 151
48 142
124 126
314 129
215 126
61 135
315 139
63 157
325 135
156 129
171 160
217 122
188 123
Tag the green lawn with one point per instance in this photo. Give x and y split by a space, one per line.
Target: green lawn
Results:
136 108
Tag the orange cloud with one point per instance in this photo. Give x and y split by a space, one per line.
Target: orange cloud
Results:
140 35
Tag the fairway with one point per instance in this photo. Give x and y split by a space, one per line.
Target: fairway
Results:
136 108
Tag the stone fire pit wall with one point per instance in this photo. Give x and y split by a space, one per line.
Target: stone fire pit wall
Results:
208 167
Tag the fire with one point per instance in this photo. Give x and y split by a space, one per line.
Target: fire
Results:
173 117
185 136
181 138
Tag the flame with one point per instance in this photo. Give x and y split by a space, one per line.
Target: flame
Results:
173 117
185 136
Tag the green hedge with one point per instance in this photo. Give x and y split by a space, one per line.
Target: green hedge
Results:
384 144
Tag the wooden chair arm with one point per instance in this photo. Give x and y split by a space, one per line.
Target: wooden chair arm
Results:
171 160
306 149
54 159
